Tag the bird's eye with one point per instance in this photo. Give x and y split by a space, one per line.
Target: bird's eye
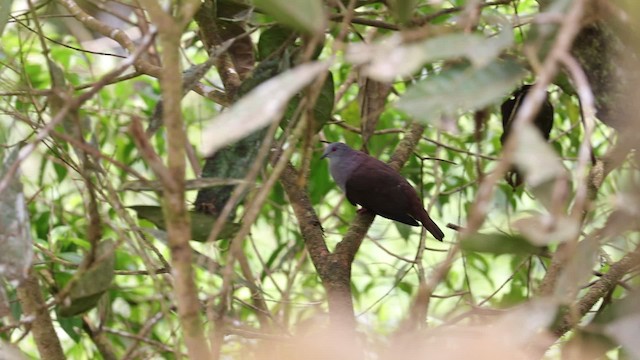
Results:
334 149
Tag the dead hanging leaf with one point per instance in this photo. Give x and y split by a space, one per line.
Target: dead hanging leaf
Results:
619 322
261 106
530 319
625 331
543 230
16 244
201 224
93 283
577 270
535 157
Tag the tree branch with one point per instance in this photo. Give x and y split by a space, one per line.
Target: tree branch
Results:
33 305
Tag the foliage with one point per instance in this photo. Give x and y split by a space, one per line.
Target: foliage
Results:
417 83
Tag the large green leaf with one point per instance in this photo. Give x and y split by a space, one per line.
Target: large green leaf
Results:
272 39
304 15
395 57
93 283
464 88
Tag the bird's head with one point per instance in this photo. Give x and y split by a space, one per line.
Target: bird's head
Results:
335 150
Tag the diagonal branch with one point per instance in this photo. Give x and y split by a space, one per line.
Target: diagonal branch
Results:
599 289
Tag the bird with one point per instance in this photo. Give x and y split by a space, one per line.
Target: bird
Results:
377 187
543 122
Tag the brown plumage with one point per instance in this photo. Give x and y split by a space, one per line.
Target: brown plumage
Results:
377 187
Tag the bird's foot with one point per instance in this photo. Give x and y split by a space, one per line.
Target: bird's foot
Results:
362 211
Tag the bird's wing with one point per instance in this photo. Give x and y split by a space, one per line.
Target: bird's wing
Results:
378 188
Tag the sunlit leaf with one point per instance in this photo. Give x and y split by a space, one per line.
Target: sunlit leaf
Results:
252 112
394 58
463 88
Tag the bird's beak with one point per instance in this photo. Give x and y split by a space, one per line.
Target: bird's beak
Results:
324 155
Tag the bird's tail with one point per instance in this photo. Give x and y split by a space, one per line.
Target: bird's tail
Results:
431 226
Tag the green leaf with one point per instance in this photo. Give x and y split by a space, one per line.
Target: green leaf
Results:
320 183
403 229
460 88
201 224
272 40
500 244
324 104
69 325
402 9
304 15
93 283
61 171
406 287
